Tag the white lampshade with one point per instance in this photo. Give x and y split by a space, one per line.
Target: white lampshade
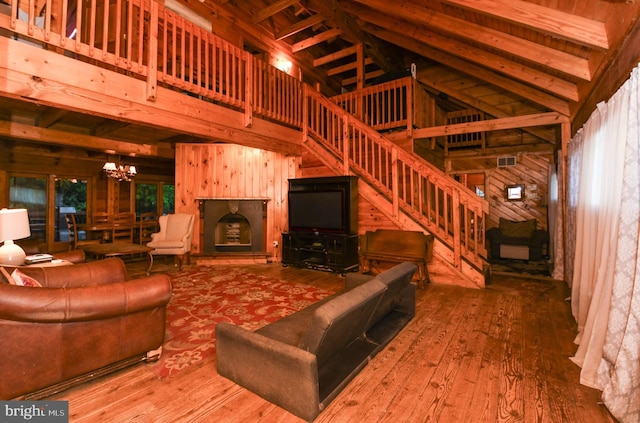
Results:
109 166
14 224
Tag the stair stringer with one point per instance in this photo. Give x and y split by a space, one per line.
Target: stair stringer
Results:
441 268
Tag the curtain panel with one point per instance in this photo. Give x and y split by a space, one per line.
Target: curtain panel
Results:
603 209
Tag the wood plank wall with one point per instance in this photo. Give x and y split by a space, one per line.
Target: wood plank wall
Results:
234 171
532 171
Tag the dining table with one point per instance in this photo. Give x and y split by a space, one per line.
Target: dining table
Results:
103 230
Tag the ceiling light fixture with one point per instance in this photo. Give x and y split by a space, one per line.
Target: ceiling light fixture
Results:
120 171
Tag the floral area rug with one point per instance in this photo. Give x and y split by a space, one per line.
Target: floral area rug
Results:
204 296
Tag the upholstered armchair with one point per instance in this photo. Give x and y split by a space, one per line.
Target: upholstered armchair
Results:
174 238
519 240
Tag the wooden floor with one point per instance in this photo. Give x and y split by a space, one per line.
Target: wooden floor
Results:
500 354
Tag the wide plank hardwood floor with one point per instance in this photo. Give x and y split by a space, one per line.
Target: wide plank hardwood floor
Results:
500 354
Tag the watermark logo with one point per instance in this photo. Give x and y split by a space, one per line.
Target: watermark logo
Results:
34 411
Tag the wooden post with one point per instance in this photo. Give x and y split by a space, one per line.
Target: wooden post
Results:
411 95
394 181
455 212
565 129
345 143
248 98
152 67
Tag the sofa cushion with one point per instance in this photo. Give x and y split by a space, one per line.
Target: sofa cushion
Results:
511 229
290 329
340 321
396 280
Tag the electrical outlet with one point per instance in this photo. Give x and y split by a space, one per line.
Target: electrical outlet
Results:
275 244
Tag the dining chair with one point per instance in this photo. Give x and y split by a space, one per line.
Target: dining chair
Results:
147 225
123 224
99 218
77 239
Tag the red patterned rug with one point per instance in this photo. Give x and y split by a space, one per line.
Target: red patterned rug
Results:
205 296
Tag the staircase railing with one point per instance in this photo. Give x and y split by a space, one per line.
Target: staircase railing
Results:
441 205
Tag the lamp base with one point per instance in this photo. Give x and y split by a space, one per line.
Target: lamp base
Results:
11 254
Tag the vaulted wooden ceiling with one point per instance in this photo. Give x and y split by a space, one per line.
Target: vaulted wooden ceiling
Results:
504 57
548 53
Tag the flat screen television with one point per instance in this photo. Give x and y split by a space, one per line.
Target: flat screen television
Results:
317 211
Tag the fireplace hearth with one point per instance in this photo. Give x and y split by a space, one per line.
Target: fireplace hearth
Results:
234 225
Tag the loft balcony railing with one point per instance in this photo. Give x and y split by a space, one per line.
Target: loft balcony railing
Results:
392 105
149 42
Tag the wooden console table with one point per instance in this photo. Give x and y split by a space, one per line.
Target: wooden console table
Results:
398 246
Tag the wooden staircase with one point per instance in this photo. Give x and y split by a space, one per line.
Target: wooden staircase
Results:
405 188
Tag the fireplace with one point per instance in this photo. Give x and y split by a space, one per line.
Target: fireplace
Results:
234 225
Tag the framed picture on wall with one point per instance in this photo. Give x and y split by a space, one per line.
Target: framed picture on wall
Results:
514 192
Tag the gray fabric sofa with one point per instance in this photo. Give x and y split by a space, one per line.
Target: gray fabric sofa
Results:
302 361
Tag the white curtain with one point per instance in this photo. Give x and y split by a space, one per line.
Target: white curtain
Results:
603 201
556 219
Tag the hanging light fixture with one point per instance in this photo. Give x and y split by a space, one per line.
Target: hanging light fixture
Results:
120 171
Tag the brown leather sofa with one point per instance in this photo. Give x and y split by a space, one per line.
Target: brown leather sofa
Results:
85 321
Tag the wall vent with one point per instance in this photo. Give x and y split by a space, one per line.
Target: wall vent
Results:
506 161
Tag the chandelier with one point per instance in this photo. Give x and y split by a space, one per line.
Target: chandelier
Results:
119 171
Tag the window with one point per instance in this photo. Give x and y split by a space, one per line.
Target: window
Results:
70 198
147 198
49 197
31 194
168 199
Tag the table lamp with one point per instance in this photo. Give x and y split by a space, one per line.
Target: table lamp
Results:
14 224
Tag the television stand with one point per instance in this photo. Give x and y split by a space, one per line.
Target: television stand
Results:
321 251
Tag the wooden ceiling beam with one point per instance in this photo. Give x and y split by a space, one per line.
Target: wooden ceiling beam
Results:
349 66
341 54
109 127
49 117
384 56
528 50
67 139
516 122
300 26
471 101
316 39
273 9
477 71
489 60
368 76
573 28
